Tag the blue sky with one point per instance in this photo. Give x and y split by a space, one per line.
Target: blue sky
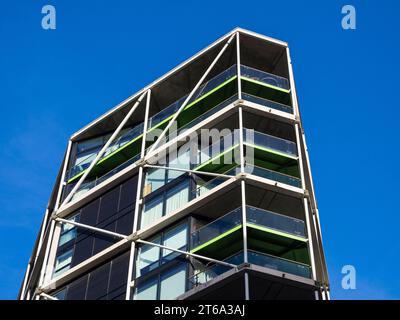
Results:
53 82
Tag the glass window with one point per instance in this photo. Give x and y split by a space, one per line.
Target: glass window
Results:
177 197
63 262
155 179
152 211
90 144
147 290
148 257
175 238
173 283
68 231
84 159
181 161
60 295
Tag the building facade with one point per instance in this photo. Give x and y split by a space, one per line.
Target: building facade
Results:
196 187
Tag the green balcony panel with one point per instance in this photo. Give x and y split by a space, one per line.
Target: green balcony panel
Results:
266 91
223 245
277 244
263 158
259 238
190 112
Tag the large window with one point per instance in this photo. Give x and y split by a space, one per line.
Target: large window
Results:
167 285
164 203
63 262
105 282
112 211
156 178
151 257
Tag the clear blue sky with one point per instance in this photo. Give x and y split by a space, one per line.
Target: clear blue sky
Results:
54 82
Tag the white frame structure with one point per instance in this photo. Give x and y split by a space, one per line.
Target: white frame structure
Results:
56 217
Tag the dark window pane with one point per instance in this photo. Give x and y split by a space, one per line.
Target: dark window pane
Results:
125 221
83 250
77 289
98 283
89 213
128 193
118 277
108 205
102 241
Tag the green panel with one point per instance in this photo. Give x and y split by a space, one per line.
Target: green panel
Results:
209 166
262 239
276 232
278 245
263 90
190 112
203 104
264 158
290 168
222 246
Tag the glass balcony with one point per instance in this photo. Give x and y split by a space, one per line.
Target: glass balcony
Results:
251 138
283 265
267 103
161 116
273 175
86 186
216 228
255 216
265 77
205 88
130 135
276 221
270 142
202 117
254 257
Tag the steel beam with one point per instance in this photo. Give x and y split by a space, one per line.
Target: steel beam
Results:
191 94
103 150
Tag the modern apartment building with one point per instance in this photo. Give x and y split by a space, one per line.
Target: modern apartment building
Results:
145 207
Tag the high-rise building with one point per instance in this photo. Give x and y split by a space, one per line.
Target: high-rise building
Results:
196 187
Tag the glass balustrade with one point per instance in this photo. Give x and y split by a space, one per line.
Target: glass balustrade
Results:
164 114
86 186
202 117
252 138
270 142
273 175
264 77
136 131
205 88
256 216
276 221
257 258
267 103
276 263
216 228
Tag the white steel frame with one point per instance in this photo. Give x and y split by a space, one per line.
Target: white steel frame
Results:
154 149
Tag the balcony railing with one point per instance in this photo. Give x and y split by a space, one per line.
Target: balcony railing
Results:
252 138
169 111
204 89
155 120
265 77
202 117
86 186
273 175
267 103
256 216
254 257
270 142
